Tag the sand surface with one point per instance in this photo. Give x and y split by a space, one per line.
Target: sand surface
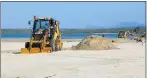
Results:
126 62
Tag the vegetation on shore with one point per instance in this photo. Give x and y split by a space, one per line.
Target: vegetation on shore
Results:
71 31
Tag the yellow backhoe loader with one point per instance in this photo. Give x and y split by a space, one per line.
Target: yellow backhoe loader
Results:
45 36
123 34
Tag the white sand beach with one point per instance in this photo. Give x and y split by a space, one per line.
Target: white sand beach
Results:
126 62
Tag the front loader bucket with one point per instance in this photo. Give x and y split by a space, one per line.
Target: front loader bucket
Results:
32 50
24 50
35 50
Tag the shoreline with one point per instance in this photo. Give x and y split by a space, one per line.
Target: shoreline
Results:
12 39
117 40
105 33
28 39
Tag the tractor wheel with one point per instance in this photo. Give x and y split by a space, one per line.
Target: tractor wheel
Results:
52 45
27 45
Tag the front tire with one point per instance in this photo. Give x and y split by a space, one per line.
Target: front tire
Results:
27 45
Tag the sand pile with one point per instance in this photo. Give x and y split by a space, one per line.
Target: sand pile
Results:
94 43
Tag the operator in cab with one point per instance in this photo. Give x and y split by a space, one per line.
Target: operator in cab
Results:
52 28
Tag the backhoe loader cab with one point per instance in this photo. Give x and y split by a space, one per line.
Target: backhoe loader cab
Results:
46 36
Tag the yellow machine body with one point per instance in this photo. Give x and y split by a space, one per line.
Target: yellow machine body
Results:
44 43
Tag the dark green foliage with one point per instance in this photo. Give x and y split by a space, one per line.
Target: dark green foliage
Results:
71 31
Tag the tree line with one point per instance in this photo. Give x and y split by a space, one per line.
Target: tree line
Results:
71 31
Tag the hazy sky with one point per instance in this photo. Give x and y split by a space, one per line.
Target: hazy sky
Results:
73 14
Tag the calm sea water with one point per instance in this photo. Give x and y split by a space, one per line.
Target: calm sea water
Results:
81 35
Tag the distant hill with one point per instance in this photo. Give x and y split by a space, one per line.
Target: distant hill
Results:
119 25
129 25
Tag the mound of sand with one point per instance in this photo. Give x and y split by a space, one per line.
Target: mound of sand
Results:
94 43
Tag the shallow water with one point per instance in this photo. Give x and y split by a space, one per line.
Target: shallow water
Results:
79 35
